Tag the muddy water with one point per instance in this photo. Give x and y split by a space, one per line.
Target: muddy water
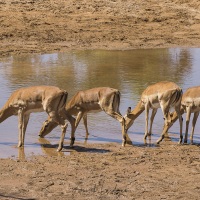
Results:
129 71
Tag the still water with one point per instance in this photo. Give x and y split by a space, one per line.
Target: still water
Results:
129 71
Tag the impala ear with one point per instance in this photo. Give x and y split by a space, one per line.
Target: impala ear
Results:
128 110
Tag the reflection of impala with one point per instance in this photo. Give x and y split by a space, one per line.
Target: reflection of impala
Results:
97 99
190 103
47 149
24 101
162 95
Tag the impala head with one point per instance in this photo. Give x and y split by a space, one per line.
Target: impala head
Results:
168 119
128 120
47 127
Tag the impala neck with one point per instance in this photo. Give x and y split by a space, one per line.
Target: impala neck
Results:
5 113
130 117
173 119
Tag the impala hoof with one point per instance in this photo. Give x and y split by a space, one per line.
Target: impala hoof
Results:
72 142
59 149
123 143
158 142
19 145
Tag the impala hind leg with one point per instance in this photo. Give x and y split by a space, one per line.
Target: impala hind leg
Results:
165 110
179 113
188 114
196 114
154 111
146 121
55 117
22 125
86 127
74 126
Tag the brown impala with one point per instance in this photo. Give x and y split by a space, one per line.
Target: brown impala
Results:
162 95
97 99
190 103
24 101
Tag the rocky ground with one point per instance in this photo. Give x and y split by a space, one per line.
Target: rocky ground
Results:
101 171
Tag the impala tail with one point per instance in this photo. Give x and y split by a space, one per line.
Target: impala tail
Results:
116 101
63 101
176 97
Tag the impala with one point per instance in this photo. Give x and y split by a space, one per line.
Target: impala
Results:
162 95
190 103
24 101
97 99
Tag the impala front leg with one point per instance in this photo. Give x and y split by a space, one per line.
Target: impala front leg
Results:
124 134
165 128
146 120
188 114
64 129
25 123
20 125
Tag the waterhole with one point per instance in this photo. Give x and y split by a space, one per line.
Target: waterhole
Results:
129 71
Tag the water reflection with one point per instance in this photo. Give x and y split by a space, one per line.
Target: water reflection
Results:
47 149
77 70
129 71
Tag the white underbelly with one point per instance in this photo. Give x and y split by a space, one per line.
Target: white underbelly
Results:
155 105
34 110
95 111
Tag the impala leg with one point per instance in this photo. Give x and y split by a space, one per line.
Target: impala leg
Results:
64 129
146 121
20 125
25 123
165 110
154 111
196 114
125 136
165 128
78 119
55 117
86 127
174 116
178 111
116 115
188 114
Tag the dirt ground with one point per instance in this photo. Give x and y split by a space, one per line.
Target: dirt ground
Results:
101 171
28 26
